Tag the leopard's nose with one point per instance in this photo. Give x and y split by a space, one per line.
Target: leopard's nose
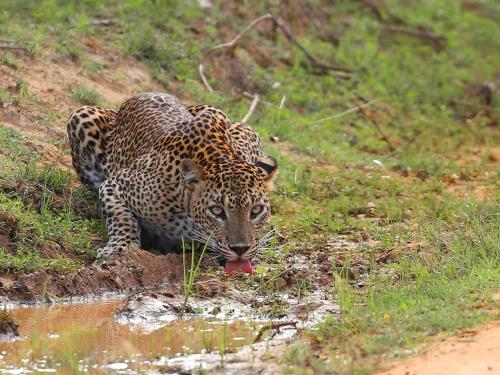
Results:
240 248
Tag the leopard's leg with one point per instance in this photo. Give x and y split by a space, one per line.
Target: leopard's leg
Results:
88 130
122 225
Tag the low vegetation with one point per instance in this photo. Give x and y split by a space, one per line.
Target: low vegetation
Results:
388 186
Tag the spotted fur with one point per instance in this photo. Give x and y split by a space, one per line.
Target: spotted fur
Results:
167 173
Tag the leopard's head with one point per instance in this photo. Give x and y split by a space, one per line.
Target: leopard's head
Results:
229 205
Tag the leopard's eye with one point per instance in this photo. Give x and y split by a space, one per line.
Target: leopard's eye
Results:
256 211
217 211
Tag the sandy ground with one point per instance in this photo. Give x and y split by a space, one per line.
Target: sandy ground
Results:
476 353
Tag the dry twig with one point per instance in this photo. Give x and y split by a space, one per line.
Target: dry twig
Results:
253 105
273 326
436 41
204 79
350 110
233 41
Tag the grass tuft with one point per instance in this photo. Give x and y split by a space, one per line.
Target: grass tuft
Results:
87 96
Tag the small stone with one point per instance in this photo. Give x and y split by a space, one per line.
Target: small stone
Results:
422 175
494 154
8 327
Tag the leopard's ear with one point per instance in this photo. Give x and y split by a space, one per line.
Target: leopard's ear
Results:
192 174
269 167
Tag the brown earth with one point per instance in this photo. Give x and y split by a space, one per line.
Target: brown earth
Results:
476 352
51 79
132 271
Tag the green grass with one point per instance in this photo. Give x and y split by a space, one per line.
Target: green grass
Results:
444 287
339 179
85 95
190 272
48 220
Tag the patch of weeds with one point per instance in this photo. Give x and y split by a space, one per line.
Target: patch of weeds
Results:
52 227
22 88
70 49
52 178
8 60
87 96
4 96
26 260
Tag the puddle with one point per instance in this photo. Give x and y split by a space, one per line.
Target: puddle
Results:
85 336
146 334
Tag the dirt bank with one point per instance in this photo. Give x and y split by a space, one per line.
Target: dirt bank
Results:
132 271
475 352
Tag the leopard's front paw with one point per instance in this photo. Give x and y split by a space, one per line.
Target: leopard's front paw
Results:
107 252
112 251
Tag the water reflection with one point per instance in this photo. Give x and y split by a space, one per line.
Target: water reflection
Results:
85 337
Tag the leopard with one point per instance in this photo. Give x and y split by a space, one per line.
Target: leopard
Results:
168 175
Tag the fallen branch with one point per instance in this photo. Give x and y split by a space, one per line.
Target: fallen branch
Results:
277 22
233 41
314 60
350 110
204 79
273 326
437 41
253 105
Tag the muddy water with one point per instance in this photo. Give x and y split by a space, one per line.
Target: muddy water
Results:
69 338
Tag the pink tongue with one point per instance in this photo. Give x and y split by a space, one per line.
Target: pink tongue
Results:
239 266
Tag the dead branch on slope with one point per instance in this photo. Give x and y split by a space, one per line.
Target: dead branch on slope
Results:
204 79
277 22
253 105
232 42
346 112
338 70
